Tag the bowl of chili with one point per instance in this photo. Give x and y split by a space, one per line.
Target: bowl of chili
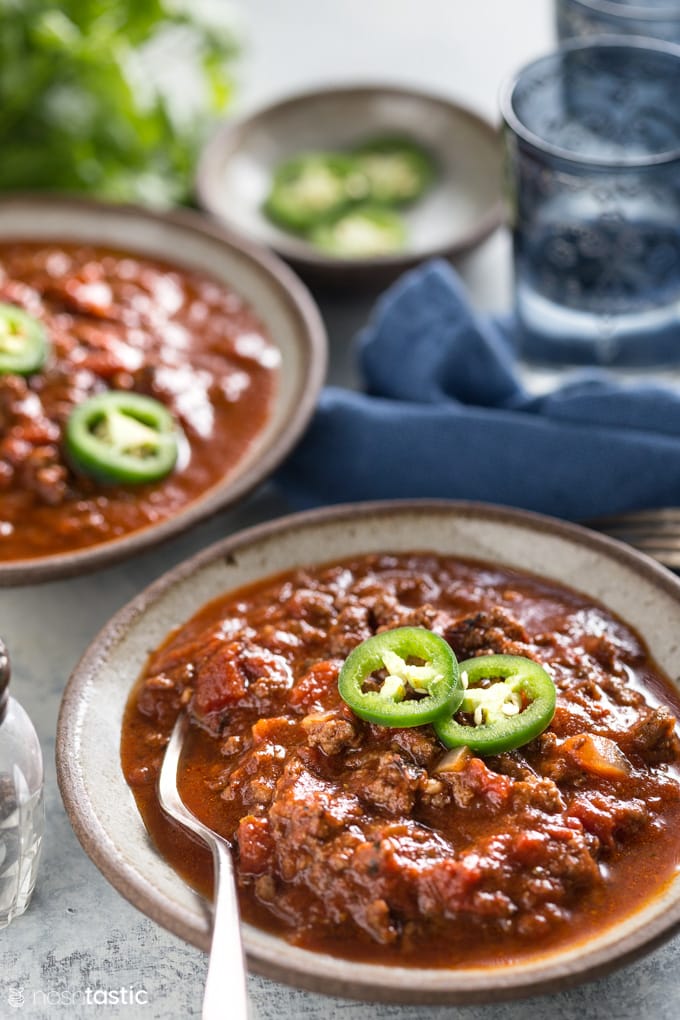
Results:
470 855
312 177
154 368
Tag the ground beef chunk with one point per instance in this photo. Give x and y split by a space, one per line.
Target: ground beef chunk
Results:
477 786
386 611
352 626
317 608
418 744
513 764
541 794
306 814
232 745
420 616
654 736
332 731
160 698
387 783
265 888
254 780
489 632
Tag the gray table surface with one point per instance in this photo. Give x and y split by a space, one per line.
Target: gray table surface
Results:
80 940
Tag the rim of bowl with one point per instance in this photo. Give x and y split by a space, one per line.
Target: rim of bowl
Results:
544 148
619 10
317 971
230 133
225 493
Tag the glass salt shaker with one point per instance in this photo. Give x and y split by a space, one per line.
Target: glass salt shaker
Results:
22 812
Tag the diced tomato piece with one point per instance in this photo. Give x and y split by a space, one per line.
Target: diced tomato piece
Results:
220 680
255 844
318 688
273 730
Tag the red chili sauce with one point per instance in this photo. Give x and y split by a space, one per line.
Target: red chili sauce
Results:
124 322
347 837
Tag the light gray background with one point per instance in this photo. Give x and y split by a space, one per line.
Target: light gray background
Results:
79 934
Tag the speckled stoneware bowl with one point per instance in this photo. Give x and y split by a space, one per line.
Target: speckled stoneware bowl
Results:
191 241
101 806
460 210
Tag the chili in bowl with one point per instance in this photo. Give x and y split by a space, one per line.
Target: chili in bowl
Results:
152 370
441 739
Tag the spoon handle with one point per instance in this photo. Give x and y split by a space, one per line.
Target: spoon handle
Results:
225 988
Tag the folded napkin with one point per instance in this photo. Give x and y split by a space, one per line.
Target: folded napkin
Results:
445 415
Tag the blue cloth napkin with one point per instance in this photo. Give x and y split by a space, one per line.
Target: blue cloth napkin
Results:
445 415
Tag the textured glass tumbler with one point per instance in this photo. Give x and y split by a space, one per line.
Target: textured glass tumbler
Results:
658 19
593 182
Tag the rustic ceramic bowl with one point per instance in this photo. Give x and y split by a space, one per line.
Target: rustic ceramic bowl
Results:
101 806
188 240
461 208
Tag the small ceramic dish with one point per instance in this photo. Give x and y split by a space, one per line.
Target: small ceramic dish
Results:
102 809
187 241
460 210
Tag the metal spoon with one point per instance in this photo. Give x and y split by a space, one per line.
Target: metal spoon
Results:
225 986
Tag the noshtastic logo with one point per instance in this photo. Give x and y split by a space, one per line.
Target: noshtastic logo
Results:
16 997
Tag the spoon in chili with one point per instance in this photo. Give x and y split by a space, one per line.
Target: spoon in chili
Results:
225 986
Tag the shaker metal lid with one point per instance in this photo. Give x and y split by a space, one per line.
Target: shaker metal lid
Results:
4 679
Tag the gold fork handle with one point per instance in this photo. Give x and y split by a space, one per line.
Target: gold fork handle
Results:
225 987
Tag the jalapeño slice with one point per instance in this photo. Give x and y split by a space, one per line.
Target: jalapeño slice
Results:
410 694
122 437
515 707
363 232
311 187
398 170
23 341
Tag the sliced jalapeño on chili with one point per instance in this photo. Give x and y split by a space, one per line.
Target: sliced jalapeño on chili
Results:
122 437
23 341
517 704
412 693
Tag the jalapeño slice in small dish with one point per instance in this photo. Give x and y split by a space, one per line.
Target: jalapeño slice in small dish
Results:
312 187
23 341
419 678
508 700
122 437
363 232
398 170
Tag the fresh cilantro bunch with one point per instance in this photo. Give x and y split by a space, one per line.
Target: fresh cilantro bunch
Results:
111 97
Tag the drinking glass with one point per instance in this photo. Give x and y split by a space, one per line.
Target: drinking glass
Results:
593 178
659 19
